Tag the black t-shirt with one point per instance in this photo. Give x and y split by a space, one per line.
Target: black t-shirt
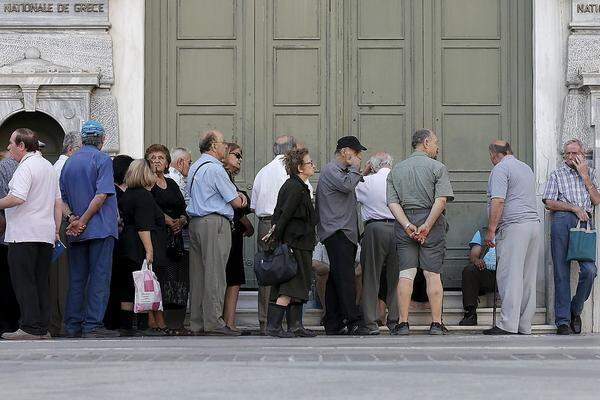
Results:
141 213
170 200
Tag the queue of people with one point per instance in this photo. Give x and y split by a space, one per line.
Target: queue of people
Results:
188 220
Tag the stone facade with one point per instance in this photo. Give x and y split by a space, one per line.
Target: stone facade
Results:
59 63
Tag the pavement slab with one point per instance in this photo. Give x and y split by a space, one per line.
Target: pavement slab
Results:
340 367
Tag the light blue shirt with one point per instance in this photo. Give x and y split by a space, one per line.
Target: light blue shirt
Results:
210 188
490 257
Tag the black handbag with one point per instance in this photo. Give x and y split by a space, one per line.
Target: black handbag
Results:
274 267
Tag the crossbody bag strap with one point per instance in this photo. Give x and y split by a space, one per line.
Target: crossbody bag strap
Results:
194 176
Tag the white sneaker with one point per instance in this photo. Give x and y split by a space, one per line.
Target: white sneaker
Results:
20 334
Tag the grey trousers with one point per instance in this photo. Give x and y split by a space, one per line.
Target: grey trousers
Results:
210 243
518 251
378 249
264 292
58 278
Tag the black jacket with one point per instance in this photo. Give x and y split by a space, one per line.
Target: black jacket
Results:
294 215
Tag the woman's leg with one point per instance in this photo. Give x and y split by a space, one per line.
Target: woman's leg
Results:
230 305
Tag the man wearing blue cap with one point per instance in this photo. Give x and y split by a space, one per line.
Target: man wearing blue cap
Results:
88 190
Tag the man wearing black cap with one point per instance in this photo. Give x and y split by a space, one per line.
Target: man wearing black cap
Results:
338 230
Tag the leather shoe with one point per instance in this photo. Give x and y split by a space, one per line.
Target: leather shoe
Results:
563 330
575 324
470 319
223 331
497 331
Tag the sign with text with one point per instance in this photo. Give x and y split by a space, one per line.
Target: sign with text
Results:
585 13
53 13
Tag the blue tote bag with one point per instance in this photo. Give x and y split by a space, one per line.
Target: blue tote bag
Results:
582 243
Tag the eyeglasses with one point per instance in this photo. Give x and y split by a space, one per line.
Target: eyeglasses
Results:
237 155
311 162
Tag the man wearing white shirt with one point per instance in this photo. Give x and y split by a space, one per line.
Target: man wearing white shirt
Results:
71 143
378 246
181 160
59 271
265 189
34 195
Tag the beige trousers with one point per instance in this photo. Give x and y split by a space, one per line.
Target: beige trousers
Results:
210 243
518 250
264 292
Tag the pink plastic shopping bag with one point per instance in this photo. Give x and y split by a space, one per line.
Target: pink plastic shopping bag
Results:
147 290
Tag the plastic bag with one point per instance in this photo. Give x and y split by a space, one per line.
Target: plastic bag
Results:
147 290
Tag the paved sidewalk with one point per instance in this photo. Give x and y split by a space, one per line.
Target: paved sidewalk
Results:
420 367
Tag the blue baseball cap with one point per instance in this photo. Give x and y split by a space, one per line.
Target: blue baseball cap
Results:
92 128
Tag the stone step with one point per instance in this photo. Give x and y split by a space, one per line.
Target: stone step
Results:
419 316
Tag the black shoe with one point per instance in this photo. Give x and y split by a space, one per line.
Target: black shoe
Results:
401 329
100 333
470 319
275 315
563 329
575 324
497 331
437 328
361 330
73 335
391 324
223 331
294 321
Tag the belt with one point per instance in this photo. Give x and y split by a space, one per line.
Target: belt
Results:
370 221
265 218
208 215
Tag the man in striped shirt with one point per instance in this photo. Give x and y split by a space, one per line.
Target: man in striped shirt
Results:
571 193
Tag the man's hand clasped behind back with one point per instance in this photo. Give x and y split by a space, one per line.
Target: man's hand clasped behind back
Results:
76 226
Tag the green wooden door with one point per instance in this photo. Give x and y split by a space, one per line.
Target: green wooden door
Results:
321 69
461 67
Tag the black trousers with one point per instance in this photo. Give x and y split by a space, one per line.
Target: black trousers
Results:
476 283
340 293
29 268
9 308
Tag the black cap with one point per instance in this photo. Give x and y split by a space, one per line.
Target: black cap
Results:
350 142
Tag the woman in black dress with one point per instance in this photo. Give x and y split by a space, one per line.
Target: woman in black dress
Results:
142 237
242 227
294 223
174 274
118 315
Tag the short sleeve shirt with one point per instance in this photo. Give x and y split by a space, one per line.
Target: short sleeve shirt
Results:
566 185
490 257
514 181
87 173
210 188
417 181
35 182
7 169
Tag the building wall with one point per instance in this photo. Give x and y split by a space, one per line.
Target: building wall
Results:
127 31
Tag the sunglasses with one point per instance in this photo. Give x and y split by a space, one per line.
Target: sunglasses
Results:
237 155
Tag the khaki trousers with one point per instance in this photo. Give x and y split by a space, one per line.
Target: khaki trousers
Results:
210 243
518 251
264 292
378 248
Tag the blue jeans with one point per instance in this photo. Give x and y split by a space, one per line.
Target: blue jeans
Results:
562 221
90 267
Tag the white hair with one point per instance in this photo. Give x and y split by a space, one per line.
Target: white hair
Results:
179 152
575 141
72 140
381 160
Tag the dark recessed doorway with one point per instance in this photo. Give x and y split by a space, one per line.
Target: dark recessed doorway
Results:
49 131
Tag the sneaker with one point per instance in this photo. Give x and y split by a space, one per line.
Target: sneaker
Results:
100 333
401 329
20 334
470 319
223 331
391 324
575 324
361 330
497 331
437 328
563 329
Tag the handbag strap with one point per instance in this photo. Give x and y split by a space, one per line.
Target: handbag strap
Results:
194 176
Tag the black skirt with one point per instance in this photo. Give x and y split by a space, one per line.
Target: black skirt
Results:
298 287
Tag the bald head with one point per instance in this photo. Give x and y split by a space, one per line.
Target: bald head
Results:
501 147
283 144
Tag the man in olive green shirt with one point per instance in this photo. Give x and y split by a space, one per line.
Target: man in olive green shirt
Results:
417 191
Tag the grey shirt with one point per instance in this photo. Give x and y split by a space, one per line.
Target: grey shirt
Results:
513 181
336 201
417 181
7 169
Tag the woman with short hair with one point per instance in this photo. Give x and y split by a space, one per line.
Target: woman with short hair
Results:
142 236
294 222
173 275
